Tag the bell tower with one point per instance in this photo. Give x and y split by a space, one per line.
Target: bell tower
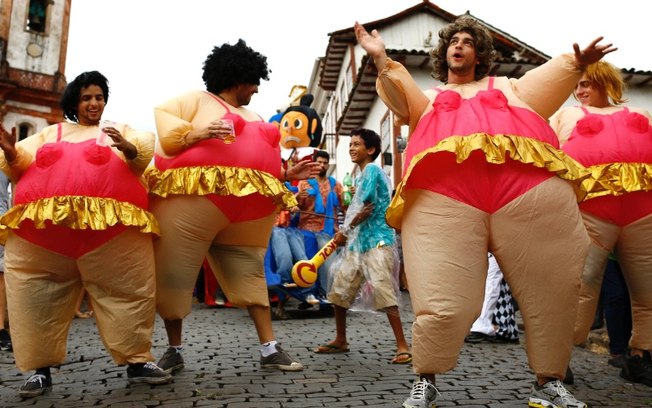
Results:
33 43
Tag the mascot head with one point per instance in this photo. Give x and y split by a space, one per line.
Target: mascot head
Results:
301 125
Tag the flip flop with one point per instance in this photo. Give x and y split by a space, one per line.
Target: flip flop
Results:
330 348
398 360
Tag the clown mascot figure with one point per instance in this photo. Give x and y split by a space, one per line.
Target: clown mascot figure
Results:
301 130
319 203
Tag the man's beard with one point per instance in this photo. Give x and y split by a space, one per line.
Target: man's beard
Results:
462 69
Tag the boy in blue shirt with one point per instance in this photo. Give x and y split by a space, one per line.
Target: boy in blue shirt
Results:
370 254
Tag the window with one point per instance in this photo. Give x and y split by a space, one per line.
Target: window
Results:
24 130
37 14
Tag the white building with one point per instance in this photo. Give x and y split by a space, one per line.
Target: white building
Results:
33 43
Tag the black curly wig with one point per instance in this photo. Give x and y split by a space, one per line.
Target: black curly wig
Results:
231 65
72 93
484 47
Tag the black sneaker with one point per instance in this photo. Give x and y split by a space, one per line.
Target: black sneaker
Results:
477 337
637 369
617 360
36 384
5 340
148 373
171 361
281 360
502 340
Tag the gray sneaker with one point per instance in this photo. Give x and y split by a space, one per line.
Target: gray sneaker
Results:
423 395
148 373
553 395
171 361
281 360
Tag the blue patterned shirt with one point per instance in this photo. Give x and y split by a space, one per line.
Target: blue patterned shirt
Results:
372 186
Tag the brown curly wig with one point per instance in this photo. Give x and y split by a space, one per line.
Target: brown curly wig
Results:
483 42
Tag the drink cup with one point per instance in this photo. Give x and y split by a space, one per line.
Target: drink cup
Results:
103 139
230 138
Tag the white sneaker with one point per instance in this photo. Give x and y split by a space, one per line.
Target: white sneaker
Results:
553 395
312 300
423 395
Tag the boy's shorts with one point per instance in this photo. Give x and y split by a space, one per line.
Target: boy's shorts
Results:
378 266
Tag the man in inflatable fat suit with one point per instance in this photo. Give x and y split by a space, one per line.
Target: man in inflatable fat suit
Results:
218 200
480 176
615 143
80 221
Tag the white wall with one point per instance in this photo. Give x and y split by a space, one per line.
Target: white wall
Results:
50 42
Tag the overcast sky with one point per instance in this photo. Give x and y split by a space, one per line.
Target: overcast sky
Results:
152 50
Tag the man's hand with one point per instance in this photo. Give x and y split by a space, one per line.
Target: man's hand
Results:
303 170
8 143
592 53
373 43
126 147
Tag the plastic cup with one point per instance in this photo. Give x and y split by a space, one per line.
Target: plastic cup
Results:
103 139
230 138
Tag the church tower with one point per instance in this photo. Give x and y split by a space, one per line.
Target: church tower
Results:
33 43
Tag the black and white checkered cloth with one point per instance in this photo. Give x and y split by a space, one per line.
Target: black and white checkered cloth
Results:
504 317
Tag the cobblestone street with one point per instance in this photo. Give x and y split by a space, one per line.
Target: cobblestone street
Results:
222 369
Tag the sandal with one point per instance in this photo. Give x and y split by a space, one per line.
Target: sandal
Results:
402 358
331 348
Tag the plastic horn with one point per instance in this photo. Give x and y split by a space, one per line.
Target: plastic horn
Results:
304 273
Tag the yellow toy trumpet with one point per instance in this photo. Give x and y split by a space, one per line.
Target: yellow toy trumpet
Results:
304 273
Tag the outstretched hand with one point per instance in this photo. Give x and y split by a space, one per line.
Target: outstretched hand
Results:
592 53
302 170
8 143
372 42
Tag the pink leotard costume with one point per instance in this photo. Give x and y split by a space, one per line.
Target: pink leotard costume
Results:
480 176
240 180
79 220
73 206
616 146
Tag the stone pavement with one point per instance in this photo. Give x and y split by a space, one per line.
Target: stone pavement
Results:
222 370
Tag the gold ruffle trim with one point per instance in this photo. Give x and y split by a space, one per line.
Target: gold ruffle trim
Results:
495 148
79 212
617 179
220 180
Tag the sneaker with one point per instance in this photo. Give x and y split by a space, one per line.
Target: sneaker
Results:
504 340
553 395
148 373
617 360
36 384
171 361
423 395
637 369
281 360
477 337
312 299
5 340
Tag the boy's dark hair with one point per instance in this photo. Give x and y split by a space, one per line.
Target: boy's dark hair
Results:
70 97
322 153
230 65
370 139
484 47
